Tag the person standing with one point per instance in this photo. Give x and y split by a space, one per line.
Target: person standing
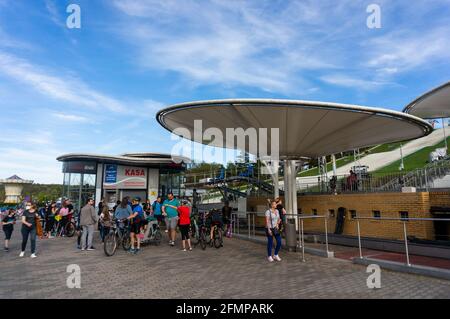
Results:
226 215
281 212
106 221
88 218
8 226
273 221
29 229
123 211
50 219
170 211
136 219
156 207
185 223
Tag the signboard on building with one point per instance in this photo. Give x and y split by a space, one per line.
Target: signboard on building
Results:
111 174
125 177
80 167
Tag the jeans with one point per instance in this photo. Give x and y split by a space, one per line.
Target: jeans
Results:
88 231
104 231
31 232
270 244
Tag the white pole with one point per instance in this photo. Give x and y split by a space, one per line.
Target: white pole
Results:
445 137
333 159
402 166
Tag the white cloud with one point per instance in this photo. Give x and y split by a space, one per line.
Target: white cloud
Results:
351 82
226 42
65 88
70 117
404 51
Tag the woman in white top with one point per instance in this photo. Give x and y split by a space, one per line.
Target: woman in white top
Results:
273 221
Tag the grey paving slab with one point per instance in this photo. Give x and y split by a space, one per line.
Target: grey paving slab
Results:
238 270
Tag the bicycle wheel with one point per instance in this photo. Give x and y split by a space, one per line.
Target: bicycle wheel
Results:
195 238
126 241
110 244
218 240
158 237
203 240
70 229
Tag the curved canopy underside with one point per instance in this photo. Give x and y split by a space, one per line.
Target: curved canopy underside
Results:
306 129
431 105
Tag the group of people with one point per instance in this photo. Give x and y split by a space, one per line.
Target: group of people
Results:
30 226
172 212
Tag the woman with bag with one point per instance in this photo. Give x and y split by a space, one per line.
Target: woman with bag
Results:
273 221
29 218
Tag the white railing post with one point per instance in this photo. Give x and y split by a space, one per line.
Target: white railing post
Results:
359 239
406 244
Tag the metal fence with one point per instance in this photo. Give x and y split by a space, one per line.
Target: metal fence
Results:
422 179
246 224
405 234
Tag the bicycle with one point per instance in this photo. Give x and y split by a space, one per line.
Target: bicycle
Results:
67 230
217 240
194 232
152 233
203 235
119 234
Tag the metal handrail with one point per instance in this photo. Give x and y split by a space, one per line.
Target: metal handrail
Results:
405 235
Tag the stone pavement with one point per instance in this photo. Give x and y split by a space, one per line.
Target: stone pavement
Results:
238 270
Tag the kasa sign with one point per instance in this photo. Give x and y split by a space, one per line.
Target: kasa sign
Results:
125 177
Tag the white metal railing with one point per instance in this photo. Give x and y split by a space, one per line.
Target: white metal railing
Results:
405 235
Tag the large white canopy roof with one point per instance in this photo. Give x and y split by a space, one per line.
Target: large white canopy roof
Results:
431 105
306 129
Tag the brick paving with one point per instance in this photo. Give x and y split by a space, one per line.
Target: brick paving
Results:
238 270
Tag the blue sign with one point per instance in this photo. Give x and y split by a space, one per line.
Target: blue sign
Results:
111 174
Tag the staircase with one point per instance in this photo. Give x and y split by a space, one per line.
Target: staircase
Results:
433 175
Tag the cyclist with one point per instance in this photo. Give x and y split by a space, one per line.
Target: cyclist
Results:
185 222
170 211
136 219
216 220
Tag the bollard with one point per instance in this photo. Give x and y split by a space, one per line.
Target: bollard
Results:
291 235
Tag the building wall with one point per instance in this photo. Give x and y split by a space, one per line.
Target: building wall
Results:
388 204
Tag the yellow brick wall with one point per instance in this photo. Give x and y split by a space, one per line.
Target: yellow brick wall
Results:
389 205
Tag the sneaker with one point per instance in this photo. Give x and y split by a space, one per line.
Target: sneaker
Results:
172 244
277 258
22 254
166 231
33 256
91 248
190 248
83 249
6 249
184 249
131 251
270 259
50 237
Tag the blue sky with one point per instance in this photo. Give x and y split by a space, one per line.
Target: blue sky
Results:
97 89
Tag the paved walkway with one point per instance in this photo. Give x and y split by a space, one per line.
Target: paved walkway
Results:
238 270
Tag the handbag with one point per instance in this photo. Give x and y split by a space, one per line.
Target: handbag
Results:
39 231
